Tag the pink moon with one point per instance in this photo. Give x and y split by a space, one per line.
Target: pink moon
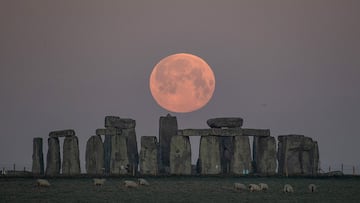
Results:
182 83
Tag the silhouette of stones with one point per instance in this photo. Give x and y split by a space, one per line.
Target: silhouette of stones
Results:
38 157
107 153
255 132
225 122
108 131
94 155
132 148
241 159
226 153
62 133
209 155
120 123
168 128
297 155
53 162
149 156
71 162
180 155
119 162
264 153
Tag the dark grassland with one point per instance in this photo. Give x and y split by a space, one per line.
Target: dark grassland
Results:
180 189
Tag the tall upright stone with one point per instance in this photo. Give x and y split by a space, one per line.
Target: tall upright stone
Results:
264 155
209 155
297 155
132 148
180 155
53 161
38 157
71 161
241 159
119 162
149 156
94 155
107 153
168 127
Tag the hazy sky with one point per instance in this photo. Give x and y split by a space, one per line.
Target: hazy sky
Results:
290 66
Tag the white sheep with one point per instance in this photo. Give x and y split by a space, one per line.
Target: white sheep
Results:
130 184
263 186
99 181
254 187
42 183
239 186
288 188
142 181
312 188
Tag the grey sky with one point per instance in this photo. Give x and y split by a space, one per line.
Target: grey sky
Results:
290 66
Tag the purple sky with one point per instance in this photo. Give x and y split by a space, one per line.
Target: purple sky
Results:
290 66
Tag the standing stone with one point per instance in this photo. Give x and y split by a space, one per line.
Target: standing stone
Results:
241 159
119 162
168 127
94 156
38 157
297 155
264 153
149 154
71 162
53 162
180 155
132 148
210 155
107 153
226 152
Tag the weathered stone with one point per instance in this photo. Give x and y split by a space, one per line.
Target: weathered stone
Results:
168 127
62 133
211 132
255 132
119 162
264 155
38 157
71 161
297 155
209 155
149 154
225 122
241 159
94 155
117 122
107 153
132 149
226 153
108 131
53 161
180 156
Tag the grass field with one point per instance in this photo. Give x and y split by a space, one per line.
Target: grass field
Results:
180 189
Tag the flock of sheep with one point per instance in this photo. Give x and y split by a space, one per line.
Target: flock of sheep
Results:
100 182
237 186
263 187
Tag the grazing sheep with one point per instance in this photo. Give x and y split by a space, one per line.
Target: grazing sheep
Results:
288 188
130 184
99 181
312 188
263 186
42 183
239 186
142 181
254 187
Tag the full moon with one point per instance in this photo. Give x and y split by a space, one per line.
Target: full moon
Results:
182 83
